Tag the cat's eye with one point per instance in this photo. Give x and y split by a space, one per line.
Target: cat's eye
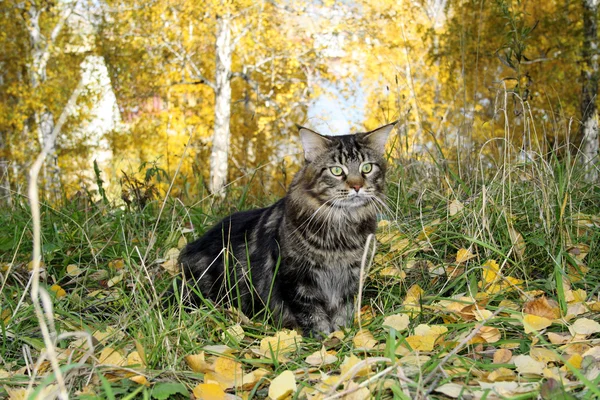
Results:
337 171
366 168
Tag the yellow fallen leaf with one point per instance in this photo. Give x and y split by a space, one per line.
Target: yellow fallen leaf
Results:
517 241
490 334
350 362
543 355
455 207
116 264
501 374
526 365
430 330
181 242
234 332
197 363
533 323
250 380
502 356
110 356
134 358
491 272
399 322
463 255
557 338
357 393
58 291
321 357
17 394
364 340
170 265
575 360
584 326
115 279
413 298
140 379
208 391
282 386
283 342
421 343
228 372
73 270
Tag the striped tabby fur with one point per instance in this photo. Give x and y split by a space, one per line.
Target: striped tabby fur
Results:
300 257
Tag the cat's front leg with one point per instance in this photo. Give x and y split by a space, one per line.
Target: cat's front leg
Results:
342 316
314 322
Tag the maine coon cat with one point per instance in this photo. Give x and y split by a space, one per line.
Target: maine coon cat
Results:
300 257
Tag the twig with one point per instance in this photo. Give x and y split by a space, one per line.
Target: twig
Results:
35 216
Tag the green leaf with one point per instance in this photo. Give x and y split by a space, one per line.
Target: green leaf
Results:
164 390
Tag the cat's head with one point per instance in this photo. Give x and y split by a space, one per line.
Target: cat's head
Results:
344 171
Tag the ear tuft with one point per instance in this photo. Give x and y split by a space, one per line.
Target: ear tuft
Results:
312 142
377 138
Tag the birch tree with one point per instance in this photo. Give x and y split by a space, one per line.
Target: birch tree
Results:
240 70
41 48
588 138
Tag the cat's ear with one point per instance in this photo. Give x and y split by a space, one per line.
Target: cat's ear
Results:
312 142
377 138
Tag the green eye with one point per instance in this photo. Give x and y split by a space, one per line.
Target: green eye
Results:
337 171
366 168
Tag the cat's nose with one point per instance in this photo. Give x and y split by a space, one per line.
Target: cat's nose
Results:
356 187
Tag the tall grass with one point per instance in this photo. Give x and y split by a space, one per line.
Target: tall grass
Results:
527 214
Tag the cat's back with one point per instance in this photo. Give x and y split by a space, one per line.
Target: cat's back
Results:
239 233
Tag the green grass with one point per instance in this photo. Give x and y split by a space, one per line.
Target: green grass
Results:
544 202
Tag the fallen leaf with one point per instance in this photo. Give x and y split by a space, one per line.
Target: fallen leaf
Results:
453 390
517 241
491 271
235 333
526 365
59 292
134 358
116 264
208 391
542 307
364 340
110 356
584 326
350 362
170 265
455 207
283 342
228 372
543 355
490 334
115 279
321 357
502 356
282 386
534 323
463 255
501 374
197 363
73 270
399 322
357 393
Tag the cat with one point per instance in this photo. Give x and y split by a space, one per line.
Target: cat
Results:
300 258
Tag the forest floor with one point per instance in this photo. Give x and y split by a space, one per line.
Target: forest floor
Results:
481 287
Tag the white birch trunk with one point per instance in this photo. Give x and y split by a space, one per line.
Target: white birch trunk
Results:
44 120
588 139
219 156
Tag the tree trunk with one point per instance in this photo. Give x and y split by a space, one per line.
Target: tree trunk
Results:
588 134
44 120
221 135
